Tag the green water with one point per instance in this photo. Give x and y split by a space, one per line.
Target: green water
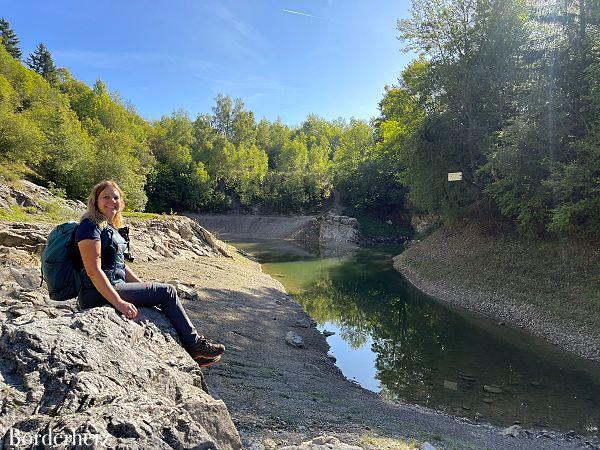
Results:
395 340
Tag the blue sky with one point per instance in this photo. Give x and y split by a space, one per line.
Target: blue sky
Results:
333 59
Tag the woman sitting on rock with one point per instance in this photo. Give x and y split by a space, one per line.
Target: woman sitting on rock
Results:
107 280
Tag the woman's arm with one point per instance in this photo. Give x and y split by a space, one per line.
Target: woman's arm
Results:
131 277
92 261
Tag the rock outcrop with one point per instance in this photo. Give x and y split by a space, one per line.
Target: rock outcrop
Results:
338 234
175 237
171 237
27 194
92 377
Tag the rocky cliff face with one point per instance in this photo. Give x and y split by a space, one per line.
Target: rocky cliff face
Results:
338 234
94 378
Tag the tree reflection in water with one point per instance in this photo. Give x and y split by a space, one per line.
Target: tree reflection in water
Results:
431 355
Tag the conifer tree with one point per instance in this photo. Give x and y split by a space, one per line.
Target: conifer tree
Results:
41 62
9 39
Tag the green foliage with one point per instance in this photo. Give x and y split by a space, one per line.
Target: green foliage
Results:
20 138
178 182
293 156
575 186
9 39
41 62
248 168
507 94
40 128
68 150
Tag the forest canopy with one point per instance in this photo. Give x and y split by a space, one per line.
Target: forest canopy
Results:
505 91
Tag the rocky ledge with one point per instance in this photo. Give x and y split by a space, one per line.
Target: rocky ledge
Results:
27 194
338 235
93 378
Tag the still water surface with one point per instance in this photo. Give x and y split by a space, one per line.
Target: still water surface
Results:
393 339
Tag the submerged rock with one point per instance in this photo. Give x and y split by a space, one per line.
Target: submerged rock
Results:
492 389
452 385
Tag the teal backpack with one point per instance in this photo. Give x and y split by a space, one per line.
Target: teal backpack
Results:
61 262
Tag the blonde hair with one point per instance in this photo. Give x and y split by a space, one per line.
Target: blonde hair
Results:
96 216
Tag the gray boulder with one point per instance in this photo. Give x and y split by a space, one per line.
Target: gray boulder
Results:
116 381
323 443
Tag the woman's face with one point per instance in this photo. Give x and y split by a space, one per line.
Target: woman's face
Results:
109 203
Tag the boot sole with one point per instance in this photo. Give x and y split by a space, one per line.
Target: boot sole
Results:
205 362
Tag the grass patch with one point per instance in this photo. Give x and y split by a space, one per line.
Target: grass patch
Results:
380 443
11 171
17 214
56 212
144 216
52 212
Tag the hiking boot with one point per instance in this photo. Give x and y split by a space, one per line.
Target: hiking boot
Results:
206 348
205 362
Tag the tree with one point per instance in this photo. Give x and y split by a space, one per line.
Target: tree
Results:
116 160
468 88
293 156
9 39
248 168
222 115
279 134
243 125
41 62
20 139
542 167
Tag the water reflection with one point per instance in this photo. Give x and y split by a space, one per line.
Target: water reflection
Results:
427 353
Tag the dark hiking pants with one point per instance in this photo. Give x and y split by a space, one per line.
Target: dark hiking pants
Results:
161 295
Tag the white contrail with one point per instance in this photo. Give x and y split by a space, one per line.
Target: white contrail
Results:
300 13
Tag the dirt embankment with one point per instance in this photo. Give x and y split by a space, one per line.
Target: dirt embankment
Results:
255 226
549 289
